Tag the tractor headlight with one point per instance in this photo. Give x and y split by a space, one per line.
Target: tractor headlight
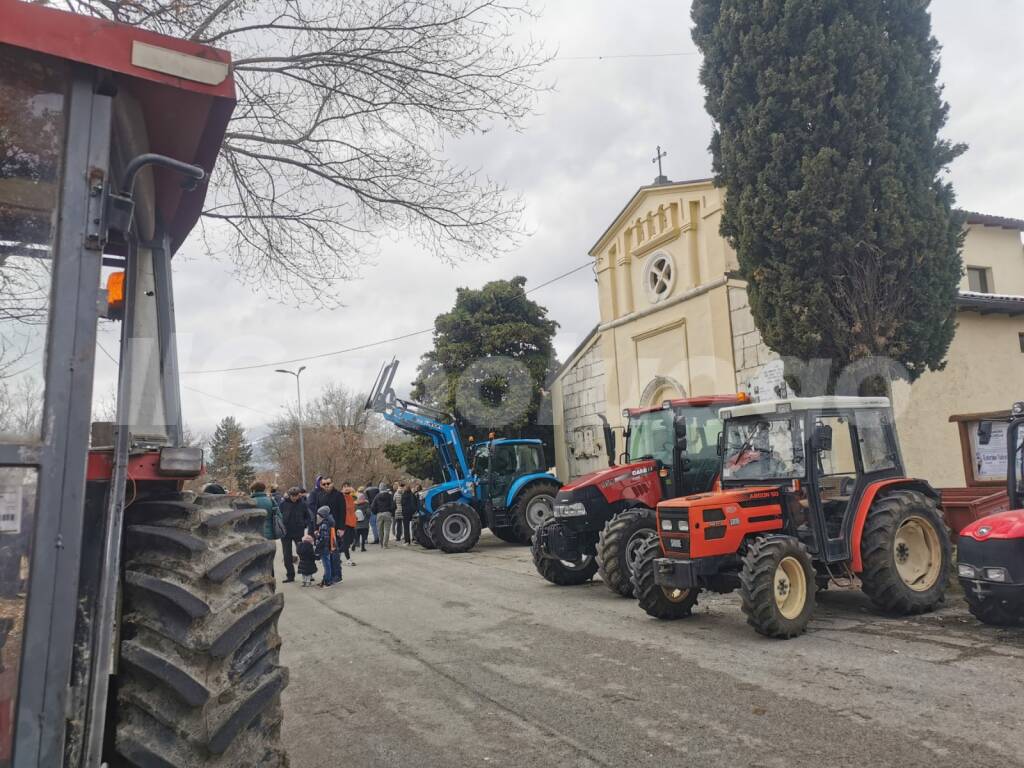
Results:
181 462
683 525
666 525
575 509
966 571
995 574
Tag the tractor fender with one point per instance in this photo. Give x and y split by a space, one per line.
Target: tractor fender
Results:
868 498
521 483
453 490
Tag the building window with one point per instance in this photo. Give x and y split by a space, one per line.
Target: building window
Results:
659 276
977 280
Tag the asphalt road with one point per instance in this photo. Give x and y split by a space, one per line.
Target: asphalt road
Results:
425 660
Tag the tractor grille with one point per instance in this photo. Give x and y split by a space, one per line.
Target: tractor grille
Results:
674 528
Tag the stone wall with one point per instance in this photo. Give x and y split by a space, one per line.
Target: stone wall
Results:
583 398
758 369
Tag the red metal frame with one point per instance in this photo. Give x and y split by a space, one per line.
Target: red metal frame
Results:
693 402
201 111
141 467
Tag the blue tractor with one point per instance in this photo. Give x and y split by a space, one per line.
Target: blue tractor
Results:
501 484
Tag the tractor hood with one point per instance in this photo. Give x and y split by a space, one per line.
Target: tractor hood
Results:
758 494
604 478
1002 525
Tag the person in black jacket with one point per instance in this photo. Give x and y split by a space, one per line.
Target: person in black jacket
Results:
295 517
307 560
371 492
383 505
410 506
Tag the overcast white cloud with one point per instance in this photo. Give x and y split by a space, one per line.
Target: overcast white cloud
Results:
577 163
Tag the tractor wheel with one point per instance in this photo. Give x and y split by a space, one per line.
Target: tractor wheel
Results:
906 553
660 602
510 534
454 528
199 681
619 547
533 506
419 533
992 610
562 572
777 585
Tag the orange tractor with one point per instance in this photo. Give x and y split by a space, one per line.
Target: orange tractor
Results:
812 489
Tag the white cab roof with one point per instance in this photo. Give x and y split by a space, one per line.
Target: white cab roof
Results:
804 404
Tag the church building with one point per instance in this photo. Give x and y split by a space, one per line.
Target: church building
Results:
674 322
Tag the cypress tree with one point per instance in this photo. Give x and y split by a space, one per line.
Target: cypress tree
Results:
827 116
231 455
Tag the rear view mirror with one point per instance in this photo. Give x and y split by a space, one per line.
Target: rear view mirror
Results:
984 432
721 443
822 440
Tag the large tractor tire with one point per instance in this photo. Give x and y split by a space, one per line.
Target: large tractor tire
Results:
992 610
532 507
777 586
906 553
419 533
454 528
562 572
511 534
657 601
619 547
199 681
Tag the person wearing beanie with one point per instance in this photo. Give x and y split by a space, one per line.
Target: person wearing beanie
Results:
307 560
327 546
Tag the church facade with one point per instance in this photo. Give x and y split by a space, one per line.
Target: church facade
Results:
674 322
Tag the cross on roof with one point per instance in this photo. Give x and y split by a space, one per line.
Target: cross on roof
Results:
662 178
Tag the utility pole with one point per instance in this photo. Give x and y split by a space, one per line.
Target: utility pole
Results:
302 444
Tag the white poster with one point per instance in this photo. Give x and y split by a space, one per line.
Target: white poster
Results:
990 460
10 508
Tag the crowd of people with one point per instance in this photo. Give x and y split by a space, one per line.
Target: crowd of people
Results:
320 529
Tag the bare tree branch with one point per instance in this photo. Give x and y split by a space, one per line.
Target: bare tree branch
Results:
340 131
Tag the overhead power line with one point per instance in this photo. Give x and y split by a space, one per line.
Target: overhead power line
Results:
627 56
367 345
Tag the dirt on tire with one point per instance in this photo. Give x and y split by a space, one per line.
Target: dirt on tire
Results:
619 546
880 578
199 682
653 598
558 572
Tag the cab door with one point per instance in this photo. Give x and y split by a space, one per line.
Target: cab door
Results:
54 153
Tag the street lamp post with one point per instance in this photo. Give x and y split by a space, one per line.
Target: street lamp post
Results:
302 445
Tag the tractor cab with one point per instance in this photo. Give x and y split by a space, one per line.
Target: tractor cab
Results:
990 551
498 463
820 454
109 134
812 489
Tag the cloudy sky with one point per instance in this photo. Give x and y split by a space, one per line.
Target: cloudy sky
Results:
577 163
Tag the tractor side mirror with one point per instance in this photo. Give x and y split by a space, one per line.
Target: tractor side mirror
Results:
822 440
609 440
721 443
984 432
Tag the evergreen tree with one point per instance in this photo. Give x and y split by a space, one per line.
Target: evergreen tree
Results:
416 457
231 455
827 116
491 361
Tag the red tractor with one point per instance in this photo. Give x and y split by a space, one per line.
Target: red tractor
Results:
990 551
138 623
812 489
602 520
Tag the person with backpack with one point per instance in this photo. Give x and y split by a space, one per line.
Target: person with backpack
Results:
362 521
383 504
327 546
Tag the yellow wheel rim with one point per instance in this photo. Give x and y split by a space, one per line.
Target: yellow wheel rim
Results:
790 587
675 595
918 554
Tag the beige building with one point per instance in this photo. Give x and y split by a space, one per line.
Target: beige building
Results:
674 322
